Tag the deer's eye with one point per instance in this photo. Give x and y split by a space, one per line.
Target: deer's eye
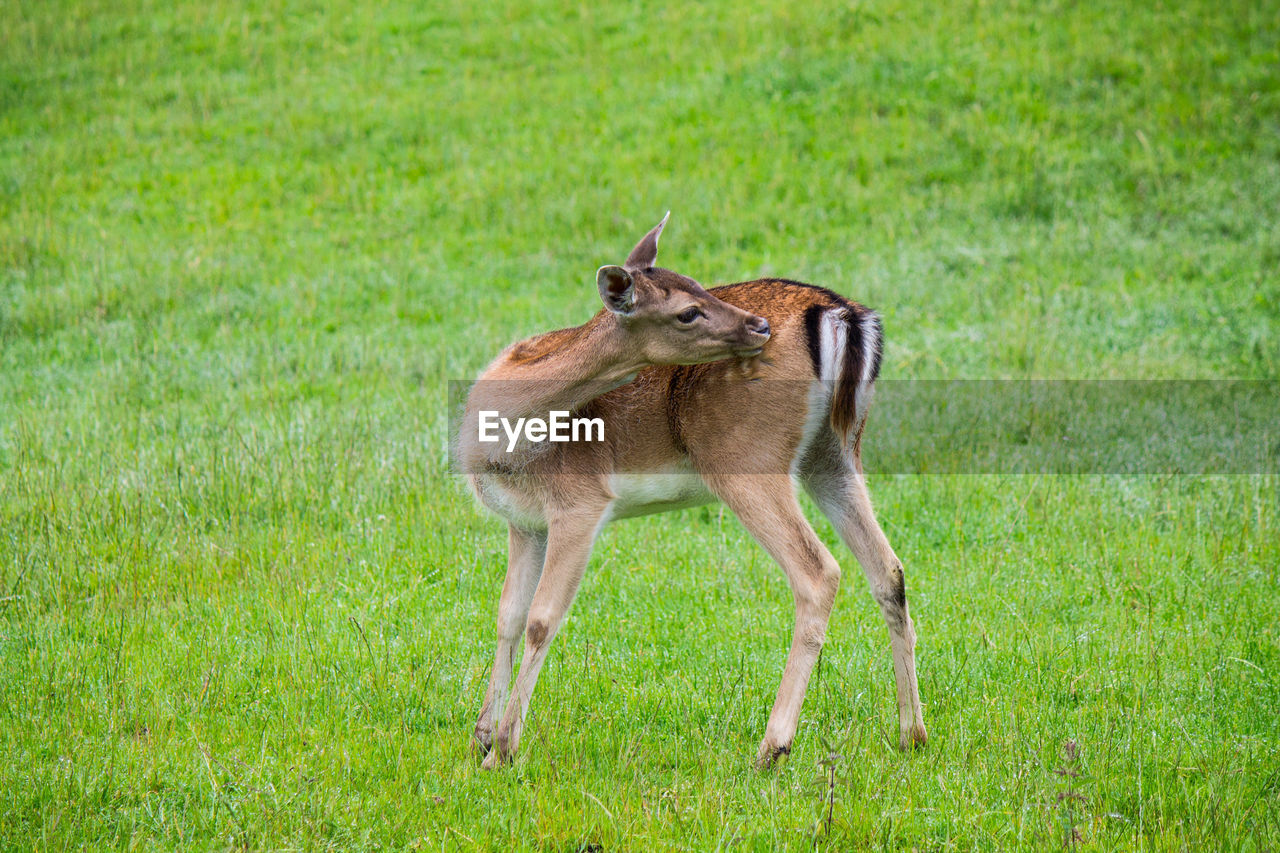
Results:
688 315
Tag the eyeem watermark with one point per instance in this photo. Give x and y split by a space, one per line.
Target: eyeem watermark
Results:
1135 427
557 427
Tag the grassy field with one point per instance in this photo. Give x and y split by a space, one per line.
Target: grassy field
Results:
244 604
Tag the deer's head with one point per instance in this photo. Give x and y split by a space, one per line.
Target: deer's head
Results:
670 317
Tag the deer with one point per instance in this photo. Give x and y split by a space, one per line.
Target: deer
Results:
679 376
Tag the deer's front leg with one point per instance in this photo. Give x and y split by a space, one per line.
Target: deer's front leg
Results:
525 554
569 540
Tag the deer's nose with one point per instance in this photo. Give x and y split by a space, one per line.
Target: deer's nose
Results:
759 325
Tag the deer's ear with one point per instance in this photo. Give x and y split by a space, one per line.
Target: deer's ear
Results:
645 253
617 290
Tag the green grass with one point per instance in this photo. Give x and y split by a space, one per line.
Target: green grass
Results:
244 603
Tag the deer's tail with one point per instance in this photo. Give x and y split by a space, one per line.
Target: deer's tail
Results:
860 353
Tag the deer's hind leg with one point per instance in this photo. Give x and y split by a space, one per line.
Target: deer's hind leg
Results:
526 551
837 484
767 507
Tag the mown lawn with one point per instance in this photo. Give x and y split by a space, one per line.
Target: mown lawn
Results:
244 604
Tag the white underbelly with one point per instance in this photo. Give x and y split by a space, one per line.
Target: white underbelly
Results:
634 494
642 494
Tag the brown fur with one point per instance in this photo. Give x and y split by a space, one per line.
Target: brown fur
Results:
718 407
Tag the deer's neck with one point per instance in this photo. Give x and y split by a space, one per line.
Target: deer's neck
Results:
561 370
